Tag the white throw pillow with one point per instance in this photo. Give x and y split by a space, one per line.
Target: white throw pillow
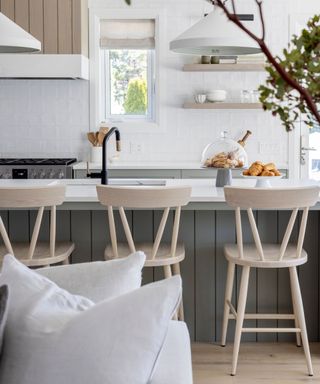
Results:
53 337
99 280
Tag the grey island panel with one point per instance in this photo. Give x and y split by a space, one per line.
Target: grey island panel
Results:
204 270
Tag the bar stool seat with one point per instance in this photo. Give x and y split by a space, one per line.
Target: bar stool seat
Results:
271 255
41 256
35 253
164 255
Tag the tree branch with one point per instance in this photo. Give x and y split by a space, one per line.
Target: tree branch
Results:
304 93
259 3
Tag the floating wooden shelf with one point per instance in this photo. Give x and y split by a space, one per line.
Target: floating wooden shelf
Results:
192 105
253 67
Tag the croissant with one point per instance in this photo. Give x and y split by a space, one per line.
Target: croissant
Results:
269 167
256 169
267 173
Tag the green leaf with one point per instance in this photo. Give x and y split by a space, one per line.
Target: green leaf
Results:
302 62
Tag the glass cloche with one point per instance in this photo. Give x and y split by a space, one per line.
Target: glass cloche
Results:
224 153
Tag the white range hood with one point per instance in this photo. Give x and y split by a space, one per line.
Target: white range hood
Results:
38 66
14 39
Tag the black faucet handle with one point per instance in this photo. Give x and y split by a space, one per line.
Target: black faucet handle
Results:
94 175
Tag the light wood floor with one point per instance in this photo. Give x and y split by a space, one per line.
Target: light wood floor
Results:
265 363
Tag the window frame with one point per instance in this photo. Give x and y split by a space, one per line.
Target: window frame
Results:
106 89
98 10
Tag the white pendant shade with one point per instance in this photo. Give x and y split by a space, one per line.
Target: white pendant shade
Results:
14 39
215 35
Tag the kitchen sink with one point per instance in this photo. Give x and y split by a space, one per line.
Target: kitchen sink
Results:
119 182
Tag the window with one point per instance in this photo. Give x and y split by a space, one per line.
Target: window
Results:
127 51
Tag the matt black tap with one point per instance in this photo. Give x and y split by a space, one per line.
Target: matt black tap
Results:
104 172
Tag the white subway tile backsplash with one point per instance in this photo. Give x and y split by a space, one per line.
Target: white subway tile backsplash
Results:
51 117
43 117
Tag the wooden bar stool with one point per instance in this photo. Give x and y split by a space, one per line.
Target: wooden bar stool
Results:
34 253
158 254
260 255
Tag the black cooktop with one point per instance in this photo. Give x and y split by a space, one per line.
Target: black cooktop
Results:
55 161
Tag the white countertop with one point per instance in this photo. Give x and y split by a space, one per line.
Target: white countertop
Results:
203 190
146 165
140 165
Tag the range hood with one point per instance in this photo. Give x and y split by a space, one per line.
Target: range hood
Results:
14 39
38 66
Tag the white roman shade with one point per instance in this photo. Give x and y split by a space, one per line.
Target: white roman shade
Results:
127 34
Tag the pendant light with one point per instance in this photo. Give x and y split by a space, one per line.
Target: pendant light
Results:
14 39
215 35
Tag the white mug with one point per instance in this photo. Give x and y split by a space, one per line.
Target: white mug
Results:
200 98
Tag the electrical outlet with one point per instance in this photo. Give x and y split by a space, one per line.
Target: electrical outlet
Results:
136 147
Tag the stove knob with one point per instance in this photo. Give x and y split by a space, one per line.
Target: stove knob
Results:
52 174
33 174
61 175
42 174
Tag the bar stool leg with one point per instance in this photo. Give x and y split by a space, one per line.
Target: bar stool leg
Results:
296 323
168 273
66 261
300 314
228 295
240 316
176 271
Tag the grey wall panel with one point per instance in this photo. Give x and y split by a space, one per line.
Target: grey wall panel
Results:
187 235
142 224
19 225
100 234
225 233
267 279
205 272
81 236
63 225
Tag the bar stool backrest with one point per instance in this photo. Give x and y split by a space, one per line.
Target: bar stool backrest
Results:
165 198
32 197
271 198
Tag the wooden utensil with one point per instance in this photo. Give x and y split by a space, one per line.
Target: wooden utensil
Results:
104 130
101 136
96 139
91 137
102 133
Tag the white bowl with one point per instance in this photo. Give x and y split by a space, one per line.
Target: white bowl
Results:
217 95
200 98
263 181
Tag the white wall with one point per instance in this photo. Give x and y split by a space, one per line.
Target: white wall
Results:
46 118
43 118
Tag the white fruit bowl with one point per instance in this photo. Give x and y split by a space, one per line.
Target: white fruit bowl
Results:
217 96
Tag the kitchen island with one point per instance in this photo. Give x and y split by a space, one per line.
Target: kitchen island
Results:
206 225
